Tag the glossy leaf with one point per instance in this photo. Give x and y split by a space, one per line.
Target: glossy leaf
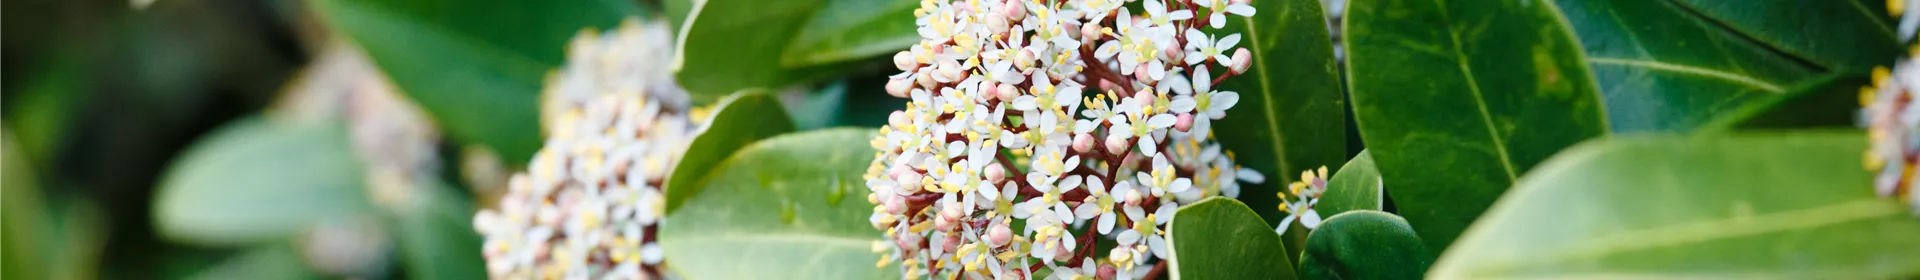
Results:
436 237
277 261
1782 206
255 181
1457 99
729 45
1835 34
1357 186
853 29
759 216
740 120
1831 100
1662 68
1364 244
1291 116
475 66
1220 238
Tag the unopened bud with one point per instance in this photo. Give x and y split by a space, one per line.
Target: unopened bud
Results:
990 90
909 242
996 173
1241 60
1024 59
900 87
1174 54
896 205
1008 92
1185 122
1116 143
996 25
999 235
1140 73
898 119
904 60
1091 30
1082 142
925 78
1015 10
952 244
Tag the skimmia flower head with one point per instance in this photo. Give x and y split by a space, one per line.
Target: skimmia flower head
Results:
591 200
1300 197
1893 123
1036 128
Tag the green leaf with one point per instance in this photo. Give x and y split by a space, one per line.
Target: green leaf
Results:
254 181
1220 238
436 237
1364 244
789 207
475 66
1835 34
1357 186
1781 206
853 29
275 261
1457 99
729 45
21 257
740 120
1831 100
677 12
1291 116
1665 69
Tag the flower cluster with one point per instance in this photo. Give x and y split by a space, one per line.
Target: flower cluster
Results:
1001 165
1300 197
1893 124
591 201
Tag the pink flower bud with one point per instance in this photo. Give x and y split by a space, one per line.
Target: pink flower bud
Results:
1073 25
1008 92
907 177
1241 60
1024 59
1185 122
1140 73
1143 97
952 244
1106 271
1090 32
1082 142
1106 85
989 90
949 70
1117 143
996 173
900 87
999 235
898 119
904 60
996 25
909 242
1015 10
896 205
1174 53
1133 198
925 78
1060 252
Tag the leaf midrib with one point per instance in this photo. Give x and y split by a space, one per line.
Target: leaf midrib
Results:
1268 99
1745 80
1479 99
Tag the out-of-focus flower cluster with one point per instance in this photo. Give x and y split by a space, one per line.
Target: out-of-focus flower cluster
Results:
1002 164
1893 123
591 201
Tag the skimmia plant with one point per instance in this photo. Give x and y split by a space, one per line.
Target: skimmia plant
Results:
1002 164
1893 124
590 204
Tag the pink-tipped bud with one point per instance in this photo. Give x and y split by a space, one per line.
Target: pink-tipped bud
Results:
999 235
1117 143
1143 97
1140 73
908 241
1082 142
1073 25
1015 10
1184 122
996 25
904 60
989 90
1106 271
1061 253
1107 85
898 119
996 173
1134 198
1090 32
1241 60
900 87
896 205
952 244
907 177
925 78
1174 53
950 70
1008 92
1024 59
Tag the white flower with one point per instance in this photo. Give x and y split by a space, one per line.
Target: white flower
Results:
1201 47
1219 8
1212 104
